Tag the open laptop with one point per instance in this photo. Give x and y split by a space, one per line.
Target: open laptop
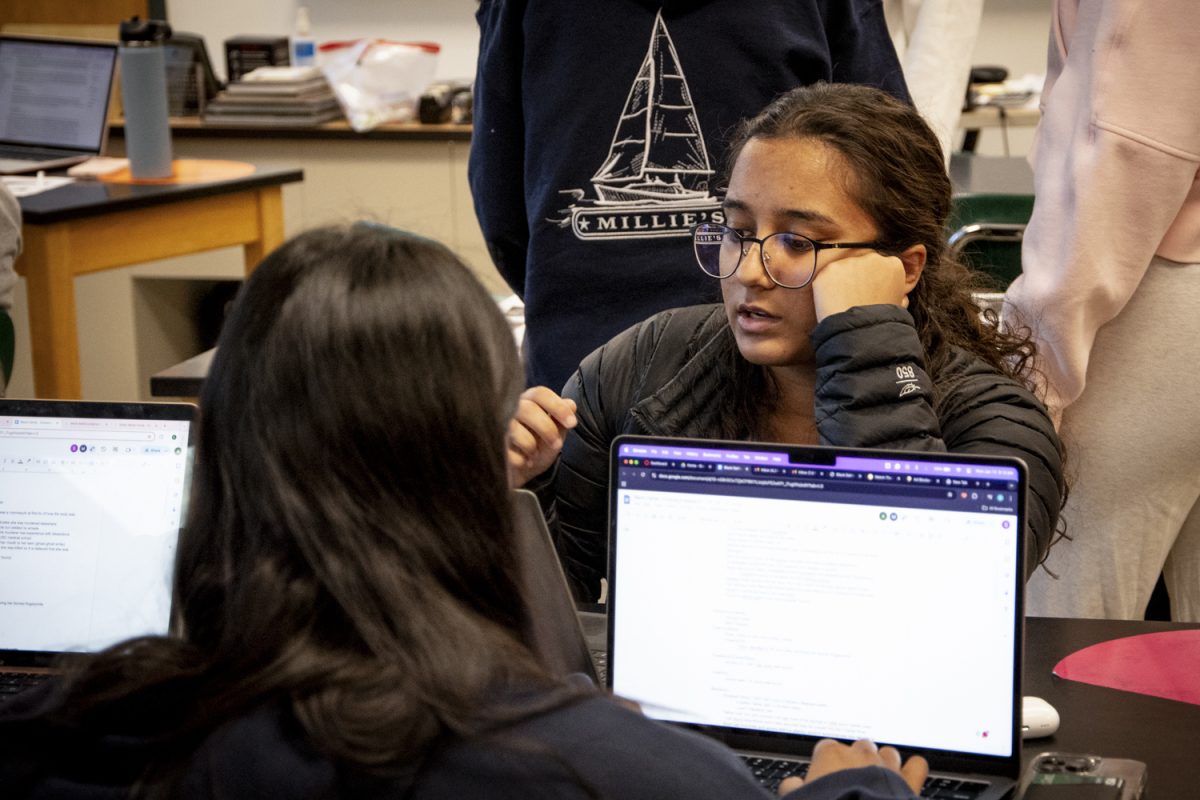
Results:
54 96
92 498
771 596
554 627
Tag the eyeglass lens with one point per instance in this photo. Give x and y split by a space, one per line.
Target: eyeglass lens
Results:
790 259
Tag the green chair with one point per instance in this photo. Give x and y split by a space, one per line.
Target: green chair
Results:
7 343
985 231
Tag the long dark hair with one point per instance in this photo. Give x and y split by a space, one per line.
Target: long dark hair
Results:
897 175
348 551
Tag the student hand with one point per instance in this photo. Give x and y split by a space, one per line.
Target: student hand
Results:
863 280
536 433
830 756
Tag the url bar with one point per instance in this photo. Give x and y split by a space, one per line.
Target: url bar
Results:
90 436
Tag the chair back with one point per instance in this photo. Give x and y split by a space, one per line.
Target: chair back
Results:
985 231
8 340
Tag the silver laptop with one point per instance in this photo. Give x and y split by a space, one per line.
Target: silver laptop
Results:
771 596
54 96
92 498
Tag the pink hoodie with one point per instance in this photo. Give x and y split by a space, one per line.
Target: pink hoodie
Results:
1116 173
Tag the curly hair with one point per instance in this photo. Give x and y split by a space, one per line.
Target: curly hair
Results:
897 175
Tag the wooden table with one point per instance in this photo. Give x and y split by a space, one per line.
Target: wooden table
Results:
91 226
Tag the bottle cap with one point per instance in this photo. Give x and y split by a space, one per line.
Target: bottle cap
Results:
148 31
302 24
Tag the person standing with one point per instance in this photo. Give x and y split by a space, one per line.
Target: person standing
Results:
598 133
1110 288
935 40
10 248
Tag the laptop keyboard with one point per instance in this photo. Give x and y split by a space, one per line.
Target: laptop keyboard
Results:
34 154
770 772
600 660
12 683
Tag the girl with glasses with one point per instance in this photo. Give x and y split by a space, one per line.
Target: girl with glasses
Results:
844 321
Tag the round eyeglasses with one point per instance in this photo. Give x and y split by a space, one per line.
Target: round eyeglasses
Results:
790 260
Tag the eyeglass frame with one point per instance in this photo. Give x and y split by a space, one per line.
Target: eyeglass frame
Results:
744 251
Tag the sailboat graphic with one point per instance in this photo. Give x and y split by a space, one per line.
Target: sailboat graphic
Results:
657 151
654 182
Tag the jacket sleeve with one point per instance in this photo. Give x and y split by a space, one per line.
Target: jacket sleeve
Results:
867 360
1116 156
496 171
605 388
872 390
862 783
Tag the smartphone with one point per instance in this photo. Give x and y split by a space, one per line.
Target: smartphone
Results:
1078 776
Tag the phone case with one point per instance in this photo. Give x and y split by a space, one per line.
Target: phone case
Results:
1080 776
1074 791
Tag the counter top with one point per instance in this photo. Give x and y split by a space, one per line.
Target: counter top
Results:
194 127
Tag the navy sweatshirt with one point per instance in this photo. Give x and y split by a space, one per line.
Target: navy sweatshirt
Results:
600 133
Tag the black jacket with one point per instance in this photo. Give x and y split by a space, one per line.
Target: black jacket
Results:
591 748
661 377
600 130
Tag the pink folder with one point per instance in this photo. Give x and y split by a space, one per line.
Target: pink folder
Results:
1165 664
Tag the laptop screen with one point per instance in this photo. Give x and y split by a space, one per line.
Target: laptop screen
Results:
55 93
91 500
813 592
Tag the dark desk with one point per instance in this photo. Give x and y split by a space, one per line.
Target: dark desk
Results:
184 379
1108 722
990 175
89 226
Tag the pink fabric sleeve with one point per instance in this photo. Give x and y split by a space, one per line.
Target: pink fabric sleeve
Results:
1117 155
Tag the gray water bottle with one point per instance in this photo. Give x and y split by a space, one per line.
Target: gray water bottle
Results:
144 96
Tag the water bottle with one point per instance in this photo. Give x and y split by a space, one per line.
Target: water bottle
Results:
144 95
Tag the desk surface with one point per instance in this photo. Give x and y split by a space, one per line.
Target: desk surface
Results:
972 174
184 379
1109 722
194 127
86 198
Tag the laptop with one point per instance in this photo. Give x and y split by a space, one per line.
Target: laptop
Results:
771 596
92 498
54 96
554 628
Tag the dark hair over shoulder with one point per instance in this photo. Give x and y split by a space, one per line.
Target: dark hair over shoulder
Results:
348 550
898 176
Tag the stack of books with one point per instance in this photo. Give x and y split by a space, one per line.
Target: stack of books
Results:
275 96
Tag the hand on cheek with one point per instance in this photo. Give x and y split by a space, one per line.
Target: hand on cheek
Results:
864 280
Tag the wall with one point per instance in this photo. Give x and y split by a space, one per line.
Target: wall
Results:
450 23
1013 34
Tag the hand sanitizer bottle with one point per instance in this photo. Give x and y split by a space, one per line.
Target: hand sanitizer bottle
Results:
303 46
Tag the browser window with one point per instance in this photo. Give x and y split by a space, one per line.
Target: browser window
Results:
90 513
759 594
